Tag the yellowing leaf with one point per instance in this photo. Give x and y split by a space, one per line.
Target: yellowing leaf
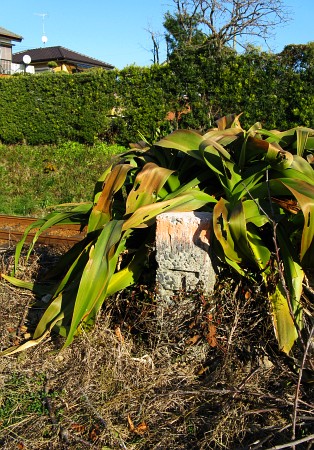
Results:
304 193
147 184
146 215
139 429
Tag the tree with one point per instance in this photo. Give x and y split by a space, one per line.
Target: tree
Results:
221 23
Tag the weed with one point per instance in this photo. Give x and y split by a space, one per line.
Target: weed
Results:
178 394
21 397
35 178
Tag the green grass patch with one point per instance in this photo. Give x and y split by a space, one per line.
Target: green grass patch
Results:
23 396
35 178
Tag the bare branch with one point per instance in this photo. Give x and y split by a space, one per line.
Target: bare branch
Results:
223 21
296 399
309 438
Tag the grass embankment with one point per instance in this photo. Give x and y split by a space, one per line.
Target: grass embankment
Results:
35 178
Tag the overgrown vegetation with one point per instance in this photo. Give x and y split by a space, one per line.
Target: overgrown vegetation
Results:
259 186
228 371
36 178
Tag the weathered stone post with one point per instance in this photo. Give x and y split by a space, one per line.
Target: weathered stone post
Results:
183 253
184 265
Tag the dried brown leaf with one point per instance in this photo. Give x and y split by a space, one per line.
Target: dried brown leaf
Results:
119 335
78 428
211 335
193 340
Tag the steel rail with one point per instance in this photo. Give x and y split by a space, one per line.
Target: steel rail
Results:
12 230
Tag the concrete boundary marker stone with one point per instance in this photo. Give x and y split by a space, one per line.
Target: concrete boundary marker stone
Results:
183 254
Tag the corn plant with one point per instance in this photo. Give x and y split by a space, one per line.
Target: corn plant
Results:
259 186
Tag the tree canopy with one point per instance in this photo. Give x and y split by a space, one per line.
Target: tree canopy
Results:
220 23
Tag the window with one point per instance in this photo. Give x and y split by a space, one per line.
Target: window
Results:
6 53
5 59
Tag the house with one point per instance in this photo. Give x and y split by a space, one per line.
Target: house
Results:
59 59
6 44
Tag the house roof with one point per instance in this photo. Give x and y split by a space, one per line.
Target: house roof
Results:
8 34
59 54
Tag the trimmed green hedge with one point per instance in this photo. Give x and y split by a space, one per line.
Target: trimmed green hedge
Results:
118 106
51 107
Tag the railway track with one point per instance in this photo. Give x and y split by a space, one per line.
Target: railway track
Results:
12 229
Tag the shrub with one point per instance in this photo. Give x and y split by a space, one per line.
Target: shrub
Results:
115 106
259 186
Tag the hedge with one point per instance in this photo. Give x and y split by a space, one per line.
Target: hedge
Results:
122 106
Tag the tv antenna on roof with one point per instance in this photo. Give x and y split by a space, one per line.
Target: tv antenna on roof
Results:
44 38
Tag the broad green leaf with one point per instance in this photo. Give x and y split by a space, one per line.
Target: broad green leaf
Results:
302 137
224 137
237 227
146 187
188 201
53 313
222 231
301 165
219 160
101 213
97 273
74 272
55 218
210 145
293 273
173 182
112 265
128 275
284 327
243 187
253 213
214 161
61 303
278 158
18 283
260 251
192 184
292 174
304 193
273 188
229 121
31 343
186 141
285 330
243 153
274 136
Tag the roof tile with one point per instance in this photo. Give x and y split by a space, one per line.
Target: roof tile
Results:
9 34
58 53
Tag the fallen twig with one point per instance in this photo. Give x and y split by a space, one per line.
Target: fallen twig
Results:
297 391
63 434
92 408
293 443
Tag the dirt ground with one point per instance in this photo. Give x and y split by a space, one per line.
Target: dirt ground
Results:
206 376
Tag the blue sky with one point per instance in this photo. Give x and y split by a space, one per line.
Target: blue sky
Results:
114 31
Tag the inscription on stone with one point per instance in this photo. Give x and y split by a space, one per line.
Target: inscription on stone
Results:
183 253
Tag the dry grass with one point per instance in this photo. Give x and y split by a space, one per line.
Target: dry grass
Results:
206 376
